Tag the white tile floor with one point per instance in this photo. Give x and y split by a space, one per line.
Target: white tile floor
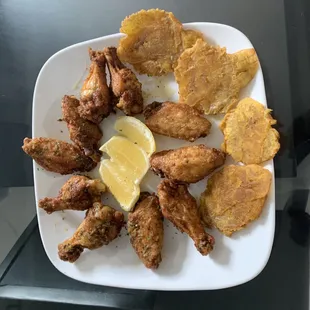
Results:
17 209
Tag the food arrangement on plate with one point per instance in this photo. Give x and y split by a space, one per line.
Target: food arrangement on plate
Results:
209 81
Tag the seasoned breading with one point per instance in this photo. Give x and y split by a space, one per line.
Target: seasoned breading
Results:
180 207
126 88
235 196
146 230
188 164
210 79
95 95
176 120
102 224
154 41
84 133
78 193
248 135
57 156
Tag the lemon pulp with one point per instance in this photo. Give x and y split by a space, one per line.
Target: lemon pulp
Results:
122 188
130 158
137 132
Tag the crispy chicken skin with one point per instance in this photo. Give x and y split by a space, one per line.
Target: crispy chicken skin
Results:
57 156
84 133
176 120
124 84
101 225
188 164
180 208
78 193
95 94
146 230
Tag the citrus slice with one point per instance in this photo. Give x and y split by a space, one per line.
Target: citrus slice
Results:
137 132
125 191
130 158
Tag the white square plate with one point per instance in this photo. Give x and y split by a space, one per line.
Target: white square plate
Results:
233 261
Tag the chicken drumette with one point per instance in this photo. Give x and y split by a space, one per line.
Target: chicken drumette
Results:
78 193
188 164
176 120
95 94
146 230
57 156
124 84
101 225
84 133
180 207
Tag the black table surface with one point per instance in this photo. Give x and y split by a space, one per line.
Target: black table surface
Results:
31 31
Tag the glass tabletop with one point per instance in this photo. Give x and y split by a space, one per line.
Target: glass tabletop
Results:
30 34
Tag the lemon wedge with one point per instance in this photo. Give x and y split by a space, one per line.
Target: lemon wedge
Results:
137 132
130 158
125 191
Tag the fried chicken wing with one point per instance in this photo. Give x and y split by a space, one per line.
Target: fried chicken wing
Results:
102 224
188 164
235 196
154 41
180 208
176 120
124 84
78 193
248 135
57 156
84 133
146 230
95 95
210 79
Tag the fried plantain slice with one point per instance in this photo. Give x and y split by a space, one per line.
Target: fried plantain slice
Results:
210 79
154 41
248 135
235 196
